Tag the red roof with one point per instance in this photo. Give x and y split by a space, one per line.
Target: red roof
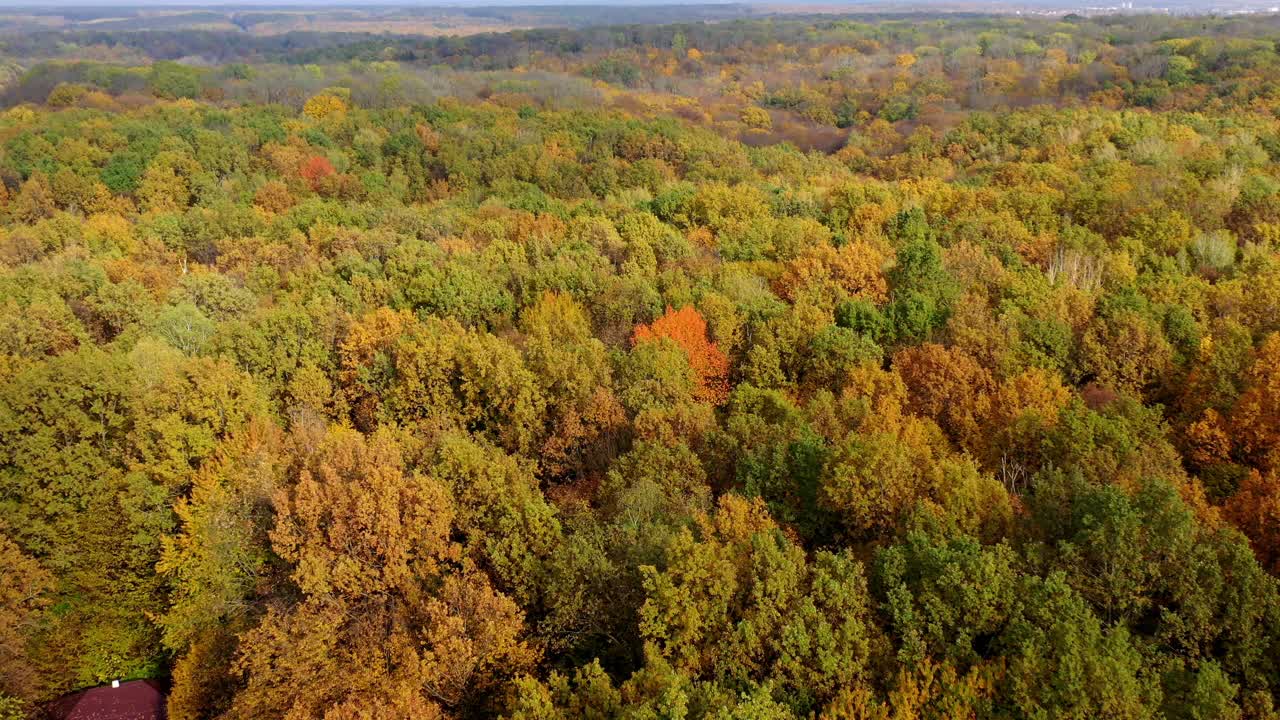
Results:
133 700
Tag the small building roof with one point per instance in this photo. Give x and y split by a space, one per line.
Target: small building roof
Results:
133 700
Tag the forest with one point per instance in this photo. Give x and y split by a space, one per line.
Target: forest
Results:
801 367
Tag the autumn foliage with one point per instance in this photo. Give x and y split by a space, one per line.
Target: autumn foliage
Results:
1255 509
1256 415
315 170
688 330
799 368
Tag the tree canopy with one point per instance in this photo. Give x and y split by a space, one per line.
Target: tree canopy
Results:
813 367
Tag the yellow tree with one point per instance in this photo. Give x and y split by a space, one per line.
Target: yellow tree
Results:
889 463
165 186
390 617
218 565
22 600
325 106
572 368
826 275
948 386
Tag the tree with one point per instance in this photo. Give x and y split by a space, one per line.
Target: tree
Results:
1145 563
34 200
97 446
171 81
219 558
943 597
890 462
354 525
315 170
573 370
689 331
922 291
274 196
1256 416
1255 510
826 276
1126 351
324 106
740 605
949 387
438 374
756 117
444 374
1064 663
165 184
23 599
507 526
390 616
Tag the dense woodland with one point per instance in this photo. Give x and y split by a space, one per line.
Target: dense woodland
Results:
874 368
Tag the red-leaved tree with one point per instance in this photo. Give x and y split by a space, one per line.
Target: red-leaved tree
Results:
688 329
315 170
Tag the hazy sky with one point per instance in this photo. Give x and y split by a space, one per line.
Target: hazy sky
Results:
27 4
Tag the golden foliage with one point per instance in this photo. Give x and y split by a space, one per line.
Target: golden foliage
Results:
325 106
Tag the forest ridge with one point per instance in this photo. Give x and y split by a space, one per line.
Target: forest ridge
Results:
831 367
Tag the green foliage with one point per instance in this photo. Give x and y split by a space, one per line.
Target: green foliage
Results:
615 70
171 81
